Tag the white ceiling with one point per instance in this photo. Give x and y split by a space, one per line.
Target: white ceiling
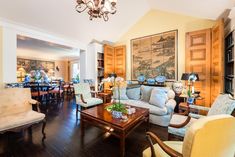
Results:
60 17
38 49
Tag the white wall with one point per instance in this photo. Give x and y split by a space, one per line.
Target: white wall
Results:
88 62
9 55
9 47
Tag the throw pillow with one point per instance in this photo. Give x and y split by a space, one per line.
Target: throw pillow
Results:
122 91
145 93
133 93
171 94
158 98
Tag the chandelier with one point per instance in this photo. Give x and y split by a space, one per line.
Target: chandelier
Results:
97 8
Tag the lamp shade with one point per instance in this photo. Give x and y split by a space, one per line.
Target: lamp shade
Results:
185 76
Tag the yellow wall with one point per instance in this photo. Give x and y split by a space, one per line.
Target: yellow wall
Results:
63 72
1 63
159 21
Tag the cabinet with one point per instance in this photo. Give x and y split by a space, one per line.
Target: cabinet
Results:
115 60
217 60
205 56
198 59
229 63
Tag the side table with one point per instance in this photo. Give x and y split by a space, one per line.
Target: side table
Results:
105 96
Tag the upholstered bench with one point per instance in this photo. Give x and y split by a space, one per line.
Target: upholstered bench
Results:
16 110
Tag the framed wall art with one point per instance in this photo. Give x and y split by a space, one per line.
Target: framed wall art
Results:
155 55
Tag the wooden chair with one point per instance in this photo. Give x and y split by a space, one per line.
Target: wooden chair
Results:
37 91
211 136
16 112
83 96
180 123
56 92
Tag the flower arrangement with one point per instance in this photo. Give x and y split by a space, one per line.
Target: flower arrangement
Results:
116 106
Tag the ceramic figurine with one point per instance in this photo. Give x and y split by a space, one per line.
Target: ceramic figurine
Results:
177 87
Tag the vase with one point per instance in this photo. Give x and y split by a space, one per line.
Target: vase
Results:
141 78
160 79
190 100
116 114
177 87
151 81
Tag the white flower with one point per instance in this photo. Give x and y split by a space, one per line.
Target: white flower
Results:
119 79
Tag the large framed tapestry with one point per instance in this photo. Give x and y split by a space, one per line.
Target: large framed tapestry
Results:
29 64
155 55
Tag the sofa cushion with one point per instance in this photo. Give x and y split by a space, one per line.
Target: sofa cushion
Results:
20 119
145 93
122 91
152 109
158 97
133 93
179 119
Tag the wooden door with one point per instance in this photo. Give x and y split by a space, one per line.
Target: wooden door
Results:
217 60
120 61
108 60
197 60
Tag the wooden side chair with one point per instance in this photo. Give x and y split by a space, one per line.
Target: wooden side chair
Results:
83 96
211 136
180 123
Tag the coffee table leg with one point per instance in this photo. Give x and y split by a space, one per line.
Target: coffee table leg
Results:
122 145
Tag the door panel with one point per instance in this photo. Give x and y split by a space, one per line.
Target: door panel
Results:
217 60
120 61
198 53
108 60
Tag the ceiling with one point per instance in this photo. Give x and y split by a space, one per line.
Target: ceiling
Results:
38 49
60 17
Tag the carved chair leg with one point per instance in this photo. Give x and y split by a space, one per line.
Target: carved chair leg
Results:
43 128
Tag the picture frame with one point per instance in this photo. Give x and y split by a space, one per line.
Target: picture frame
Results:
155 55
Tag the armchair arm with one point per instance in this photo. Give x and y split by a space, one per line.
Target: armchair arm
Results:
182 124
81 96
199 107
171 152
35 103
95 92
196 116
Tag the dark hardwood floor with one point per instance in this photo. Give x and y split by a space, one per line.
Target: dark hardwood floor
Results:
63 138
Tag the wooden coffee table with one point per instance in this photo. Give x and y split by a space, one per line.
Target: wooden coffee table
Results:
100 117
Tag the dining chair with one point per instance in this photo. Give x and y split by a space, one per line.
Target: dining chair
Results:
38 92
56 92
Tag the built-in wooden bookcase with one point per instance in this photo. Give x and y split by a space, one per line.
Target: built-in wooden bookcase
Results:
229 63
100 67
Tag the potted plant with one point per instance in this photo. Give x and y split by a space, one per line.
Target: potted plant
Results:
117 108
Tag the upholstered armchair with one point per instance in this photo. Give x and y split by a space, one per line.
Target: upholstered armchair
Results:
83 96
212 136
16 111
223 104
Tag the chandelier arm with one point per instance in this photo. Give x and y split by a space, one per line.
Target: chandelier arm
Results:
80 11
